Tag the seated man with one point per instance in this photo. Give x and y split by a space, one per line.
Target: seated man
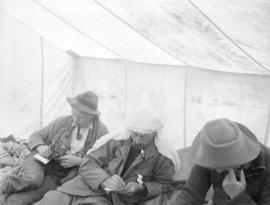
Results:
228 156
124 167
64 142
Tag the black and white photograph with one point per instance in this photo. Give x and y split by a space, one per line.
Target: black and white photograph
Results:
134 102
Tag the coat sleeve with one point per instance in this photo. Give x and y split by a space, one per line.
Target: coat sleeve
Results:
264 198
244 199
195 188
93 165
265 193
162 179
43 135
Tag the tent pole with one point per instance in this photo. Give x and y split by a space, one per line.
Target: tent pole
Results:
125 84
77 29
73 74
267 128
184 110
42 81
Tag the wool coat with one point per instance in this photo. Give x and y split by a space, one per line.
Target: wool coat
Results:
157 171
31 174
257 175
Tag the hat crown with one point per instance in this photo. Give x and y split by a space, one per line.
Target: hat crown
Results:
89 99
221 143
85 102
221 132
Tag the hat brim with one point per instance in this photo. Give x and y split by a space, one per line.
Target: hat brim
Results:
76 104
205 158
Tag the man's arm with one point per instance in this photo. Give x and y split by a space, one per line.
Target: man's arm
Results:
71 160
264 198
93 165
195 188
265 193
41 137
162 179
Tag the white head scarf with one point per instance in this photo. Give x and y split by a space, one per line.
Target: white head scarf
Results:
143 122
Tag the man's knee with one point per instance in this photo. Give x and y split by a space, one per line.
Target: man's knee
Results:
18 199
23 181
52 196
33 172
35 180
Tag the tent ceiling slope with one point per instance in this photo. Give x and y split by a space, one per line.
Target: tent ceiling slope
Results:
247 22
74 31
53 29
161 32
90 18
184 30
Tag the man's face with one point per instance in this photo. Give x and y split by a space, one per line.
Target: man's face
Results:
81 119
142 140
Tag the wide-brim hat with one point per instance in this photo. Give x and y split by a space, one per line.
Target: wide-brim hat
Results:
85 102
221 143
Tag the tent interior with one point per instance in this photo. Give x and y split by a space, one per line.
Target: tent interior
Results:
190 61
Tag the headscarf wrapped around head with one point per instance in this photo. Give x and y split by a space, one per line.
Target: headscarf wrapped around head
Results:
143 122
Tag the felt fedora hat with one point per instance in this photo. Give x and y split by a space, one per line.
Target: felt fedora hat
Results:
86 102
221 143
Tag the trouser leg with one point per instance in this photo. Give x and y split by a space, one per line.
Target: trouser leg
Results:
29 176
59 198
55 198
31 196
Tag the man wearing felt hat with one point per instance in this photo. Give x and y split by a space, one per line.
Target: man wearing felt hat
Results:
228 156
64 142
124 167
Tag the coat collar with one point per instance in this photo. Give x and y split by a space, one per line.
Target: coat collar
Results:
257 166
149 152
70 129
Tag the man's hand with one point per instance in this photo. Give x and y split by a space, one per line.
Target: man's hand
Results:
114 182
232 186
70 160
44 150
131 188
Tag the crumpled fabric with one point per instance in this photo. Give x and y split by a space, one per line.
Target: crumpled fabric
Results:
12 154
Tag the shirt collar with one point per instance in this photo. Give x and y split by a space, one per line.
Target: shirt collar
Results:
83 128
149 150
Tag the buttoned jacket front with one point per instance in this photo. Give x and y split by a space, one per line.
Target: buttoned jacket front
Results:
156 169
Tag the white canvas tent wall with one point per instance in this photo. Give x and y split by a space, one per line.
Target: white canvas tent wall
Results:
35 78
108 40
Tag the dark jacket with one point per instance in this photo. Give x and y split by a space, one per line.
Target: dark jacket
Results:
156 169
257 189
59 132
30 174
